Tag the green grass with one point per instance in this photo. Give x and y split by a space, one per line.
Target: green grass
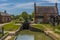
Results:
17 21
39 26
49 26
11 26
57 29
0 35
4 34
37 35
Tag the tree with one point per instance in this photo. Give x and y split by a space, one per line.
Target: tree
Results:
17 16
25 15
32 14
30 17
13 16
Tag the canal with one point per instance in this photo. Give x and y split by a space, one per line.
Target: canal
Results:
31 35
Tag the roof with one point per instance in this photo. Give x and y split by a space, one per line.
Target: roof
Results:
46 9
4 14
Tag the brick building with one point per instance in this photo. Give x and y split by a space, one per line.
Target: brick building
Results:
4 17
43 13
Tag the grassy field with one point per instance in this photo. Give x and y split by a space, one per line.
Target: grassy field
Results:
48 25
37 35
4 34
0 35
39 26
11 26
57 29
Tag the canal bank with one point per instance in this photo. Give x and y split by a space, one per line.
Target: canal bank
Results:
35 30
31 29
12 34
25 34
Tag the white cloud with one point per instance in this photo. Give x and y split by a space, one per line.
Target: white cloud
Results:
5 4
53 1
50 1
24 5
12 6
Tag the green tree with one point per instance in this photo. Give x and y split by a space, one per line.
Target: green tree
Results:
32 14
25 15
30 17
17 16
13 16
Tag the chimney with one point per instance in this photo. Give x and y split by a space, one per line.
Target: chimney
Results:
34 3
57 8
35 11
34 7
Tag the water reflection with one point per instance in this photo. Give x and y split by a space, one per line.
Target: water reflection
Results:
31 35
25 37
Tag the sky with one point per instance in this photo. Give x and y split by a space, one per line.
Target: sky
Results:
16 7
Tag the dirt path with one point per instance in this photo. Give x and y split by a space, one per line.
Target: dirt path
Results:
49 31
8 37
3 24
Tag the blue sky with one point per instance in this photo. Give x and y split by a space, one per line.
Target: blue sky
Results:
16 7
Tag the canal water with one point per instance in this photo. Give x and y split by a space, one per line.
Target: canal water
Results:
25 37
30 35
